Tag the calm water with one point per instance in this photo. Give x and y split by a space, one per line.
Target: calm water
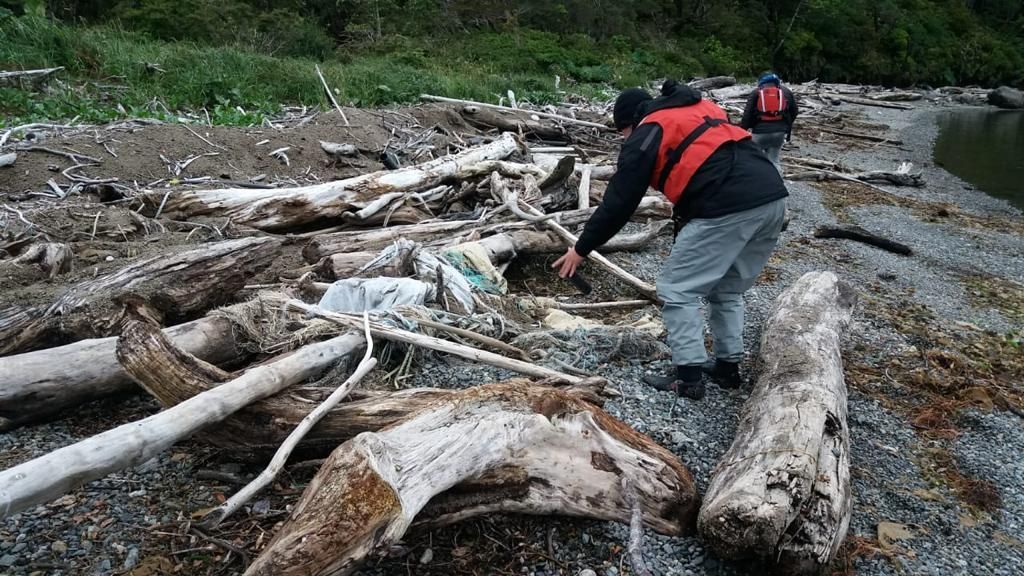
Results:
985 148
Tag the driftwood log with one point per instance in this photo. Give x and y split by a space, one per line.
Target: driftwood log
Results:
713 83
858 234
449 231
782 491
859 135
488 118
40 384
358 199
42 479
52 258
520 448
167 288
880 176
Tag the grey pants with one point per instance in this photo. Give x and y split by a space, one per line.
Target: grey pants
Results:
717 259
771 145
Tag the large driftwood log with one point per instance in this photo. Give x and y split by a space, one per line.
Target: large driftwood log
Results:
782 491
713 83
356 199
537 113
534 449
881 176
870 102
172 287
859 135
487 118
326 245
44 478
43 383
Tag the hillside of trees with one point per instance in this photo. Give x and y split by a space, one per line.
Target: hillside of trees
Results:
260 54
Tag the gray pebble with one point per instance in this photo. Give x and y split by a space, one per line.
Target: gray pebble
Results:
7 560
132 559
18 547
59 547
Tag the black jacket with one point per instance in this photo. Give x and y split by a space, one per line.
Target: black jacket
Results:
736 177
752 120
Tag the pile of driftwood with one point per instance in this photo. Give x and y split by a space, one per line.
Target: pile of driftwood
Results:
415 257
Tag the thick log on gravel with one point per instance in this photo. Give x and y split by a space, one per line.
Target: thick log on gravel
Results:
858 234
880 176
356 199
870 102
47 477
859 135
169 288
52 258
533 449
507 245
43 383
326 245
782 491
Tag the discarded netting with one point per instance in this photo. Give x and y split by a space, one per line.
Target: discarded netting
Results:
587 348
354 295
261 326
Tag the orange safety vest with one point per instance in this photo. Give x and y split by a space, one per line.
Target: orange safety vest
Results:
689 136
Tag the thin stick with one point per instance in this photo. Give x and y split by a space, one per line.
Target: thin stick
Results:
197 135
430 98
469 334
604 305
7 134
644 288
461 350
331 94
229 507
73 156
636 530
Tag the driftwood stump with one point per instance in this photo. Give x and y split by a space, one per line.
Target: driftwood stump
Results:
782 491
517 447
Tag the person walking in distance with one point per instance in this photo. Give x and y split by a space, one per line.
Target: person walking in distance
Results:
769 115
728 209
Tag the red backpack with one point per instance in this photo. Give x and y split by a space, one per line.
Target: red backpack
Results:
771 102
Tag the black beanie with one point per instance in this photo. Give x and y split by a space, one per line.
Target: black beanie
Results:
626 106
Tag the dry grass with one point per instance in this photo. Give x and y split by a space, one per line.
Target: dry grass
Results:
996 293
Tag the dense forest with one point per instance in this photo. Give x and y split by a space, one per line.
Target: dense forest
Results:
390 50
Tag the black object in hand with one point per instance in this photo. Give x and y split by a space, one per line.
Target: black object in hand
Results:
580 284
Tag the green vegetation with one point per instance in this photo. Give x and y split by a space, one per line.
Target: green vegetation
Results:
242 59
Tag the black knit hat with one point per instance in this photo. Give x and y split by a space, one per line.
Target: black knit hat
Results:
627 105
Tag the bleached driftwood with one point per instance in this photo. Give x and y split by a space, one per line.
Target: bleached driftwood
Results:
334 149
539 114
42 479
357 199
584 189
46 382
870 102
33 75
859 135
8 159
509 447
896 96
406 337
781 493
163 287
326 245
713 83
881 176
486 118
51 257
236 501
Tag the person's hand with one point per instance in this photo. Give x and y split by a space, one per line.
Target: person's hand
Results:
568 263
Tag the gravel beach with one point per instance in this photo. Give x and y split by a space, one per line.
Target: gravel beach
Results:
131 522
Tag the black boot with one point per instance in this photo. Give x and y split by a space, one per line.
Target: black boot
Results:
725 374
687 382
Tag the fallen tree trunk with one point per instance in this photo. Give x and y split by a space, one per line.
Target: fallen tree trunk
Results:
169 288
46 382
52 258
896 97
870 102
713 83
522 448
326 245
860 135
486 118
358 199
882 176
782 491
42 479
430 98
858 234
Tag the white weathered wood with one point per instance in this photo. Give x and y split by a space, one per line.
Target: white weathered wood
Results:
430 98
8 159
47 477
335 149
510 447
46 382
268 474
284 208
30 74
870 102
782 491
583 194
404 336
331 94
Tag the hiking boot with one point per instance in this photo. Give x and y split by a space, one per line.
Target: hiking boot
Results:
725 374
687 382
